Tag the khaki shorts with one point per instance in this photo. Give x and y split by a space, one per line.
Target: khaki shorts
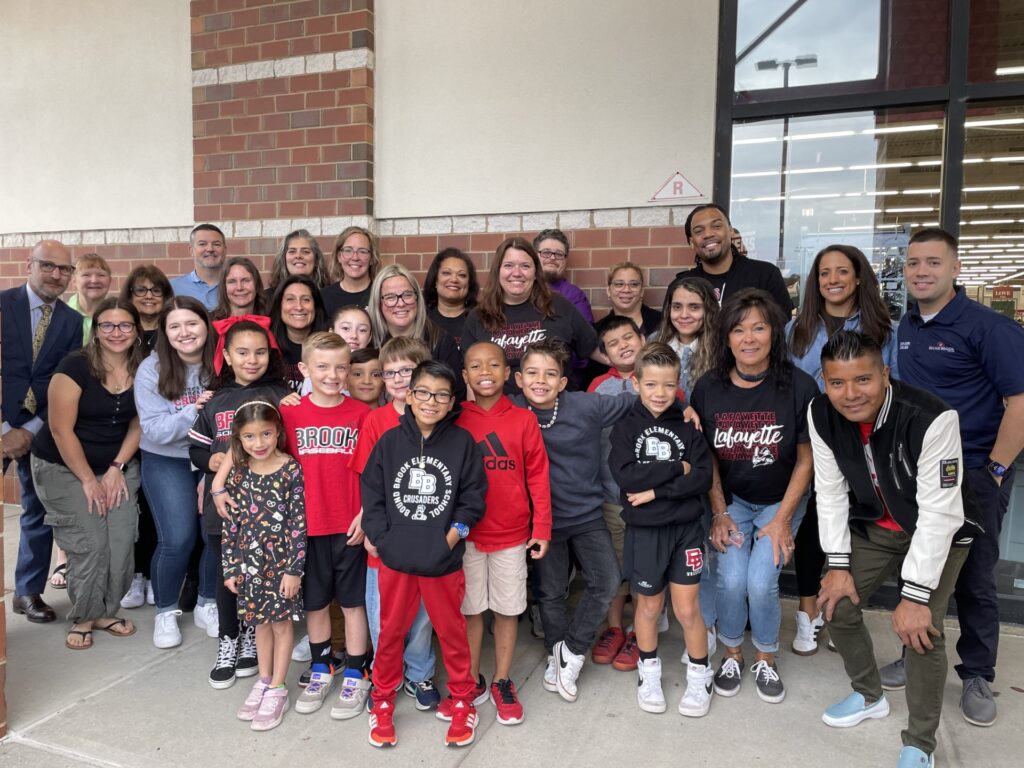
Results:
495 580
617 528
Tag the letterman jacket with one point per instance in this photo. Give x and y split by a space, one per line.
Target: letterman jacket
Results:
916 454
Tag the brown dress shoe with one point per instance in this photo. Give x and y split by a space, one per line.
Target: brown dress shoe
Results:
34 607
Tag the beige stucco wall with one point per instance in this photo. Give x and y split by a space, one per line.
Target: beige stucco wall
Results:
486 107
95 114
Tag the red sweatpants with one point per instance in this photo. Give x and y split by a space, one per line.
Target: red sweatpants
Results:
400 595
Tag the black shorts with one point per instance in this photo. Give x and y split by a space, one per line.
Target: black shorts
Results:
654 557
334 571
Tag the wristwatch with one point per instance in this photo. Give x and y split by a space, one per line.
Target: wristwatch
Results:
462 529
996 468
119 466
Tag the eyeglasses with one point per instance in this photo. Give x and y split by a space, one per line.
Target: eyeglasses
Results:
141 291
348 251
48 266
403 372
424 395
391 299
552 255
633 285
107 327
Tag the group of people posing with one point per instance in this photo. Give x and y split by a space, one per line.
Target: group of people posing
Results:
388 461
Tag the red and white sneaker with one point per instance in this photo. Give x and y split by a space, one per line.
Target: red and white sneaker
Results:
608 645
446 708
382 725
462 730
503 694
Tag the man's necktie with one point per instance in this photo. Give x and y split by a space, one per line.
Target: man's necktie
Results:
37 344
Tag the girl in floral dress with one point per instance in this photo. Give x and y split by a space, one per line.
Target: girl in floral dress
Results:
264 551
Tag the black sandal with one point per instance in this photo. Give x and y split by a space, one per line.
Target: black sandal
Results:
86 635
109 628
62 569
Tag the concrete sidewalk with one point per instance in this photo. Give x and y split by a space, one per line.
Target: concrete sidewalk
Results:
124 703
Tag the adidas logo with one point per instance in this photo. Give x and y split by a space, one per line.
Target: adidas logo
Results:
495 455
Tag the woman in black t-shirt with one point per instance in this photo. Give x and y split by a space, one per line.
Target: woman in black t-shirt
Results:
516 310
296 312
86 474
753 408
450 290
397 309
352 270
299 254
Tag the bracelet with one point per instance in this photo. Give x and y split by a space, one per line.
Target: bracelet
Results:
221 492
719 514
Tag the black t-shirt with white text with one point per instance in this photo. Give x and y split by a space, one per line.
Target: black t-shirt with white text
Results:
754 432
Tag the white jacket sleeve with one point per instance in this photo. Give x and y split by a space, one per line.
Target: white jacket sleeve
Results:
833 501
940 507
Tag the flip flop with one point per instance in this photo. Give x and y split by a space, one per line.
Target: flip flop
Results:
61 569
86 636
109 628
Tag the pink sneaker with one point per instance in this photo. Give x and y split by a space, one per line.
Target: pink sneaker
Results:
271 712
251 705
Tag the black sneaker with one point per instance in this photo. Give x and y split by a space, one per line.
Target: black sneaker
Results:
769 684
426 695
247 665
728 677
189 595
223 673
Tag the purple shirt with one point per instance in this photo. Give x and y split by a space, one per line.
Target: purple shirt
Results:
576 296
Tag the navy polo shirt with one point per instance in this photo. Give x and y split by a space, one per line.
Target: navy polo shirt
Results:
971 357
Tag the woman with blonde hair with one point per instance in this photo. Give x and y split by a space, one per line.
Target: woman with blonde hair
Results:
352 270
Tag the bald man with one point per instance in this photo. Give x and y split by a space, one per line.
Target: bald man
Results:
38 331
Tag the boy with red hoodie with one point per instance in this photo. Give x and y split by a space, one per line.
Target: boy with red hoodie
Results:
423 490
495 560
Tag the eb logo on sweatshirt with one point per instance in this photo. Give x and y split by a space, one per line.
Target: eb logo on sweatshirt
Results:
422 488
658 444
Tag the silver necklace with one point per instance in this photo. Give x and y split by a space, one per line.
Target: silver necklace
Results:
554 417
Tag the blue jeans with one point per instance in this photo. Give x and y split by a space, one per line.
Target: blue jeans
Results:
419 650
748 574
36 543
170 487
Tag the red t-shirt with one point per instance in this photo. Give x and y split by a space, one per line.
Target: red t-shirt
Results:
376 424
323 440
886 521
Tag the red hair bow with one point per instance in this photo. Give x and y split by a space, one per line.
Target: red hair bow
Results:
222 327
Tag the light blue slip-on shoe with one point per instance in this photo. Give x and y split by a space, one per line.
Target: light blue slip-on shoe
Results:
912 757
853 710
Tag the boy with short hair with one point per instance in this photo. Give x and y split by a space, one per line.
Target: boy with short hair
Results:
423 490
662 466
571 425
321 433
495 561
365 383
621 341
398 357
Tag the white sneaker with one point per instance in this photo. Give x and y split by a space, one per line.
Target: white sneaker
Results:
205 617
301 653
699 689
712 647
165 630
150 597
648 686
806 641
135 597
567 670
550 676
351 701
312 696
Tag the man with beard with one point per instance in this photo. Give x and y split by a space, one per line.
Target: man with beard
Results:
553 248
39 330
209 248
720 263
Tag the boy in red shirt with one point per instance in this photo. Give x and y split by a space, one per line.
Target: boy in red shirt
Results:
516 463
322 431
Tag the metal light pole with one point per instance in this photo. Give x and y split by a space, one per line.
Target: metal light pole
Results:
800 62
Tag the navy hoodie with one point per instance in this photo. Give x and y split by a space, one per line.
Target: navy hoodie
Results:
648 453
414 488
